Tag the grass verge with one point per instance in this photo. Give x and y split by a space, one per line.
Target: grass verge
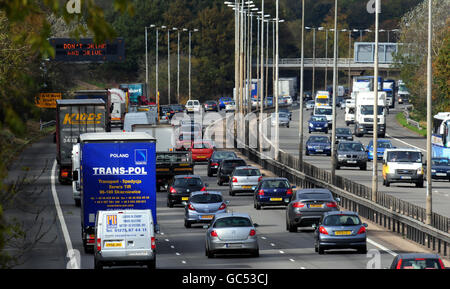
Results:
402 121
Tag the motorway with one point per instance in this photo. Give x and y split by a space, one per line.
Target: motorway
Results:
177 247
399 136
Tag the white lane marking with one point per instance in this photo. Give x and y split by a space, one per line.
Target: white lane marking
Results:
292 260
178 254
61 216
183 262
167 240
263 238
272 244
408 144
172 246
381 247
281 252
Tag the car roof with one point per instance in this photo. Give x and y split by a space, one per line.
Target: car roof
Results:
340 213
274 179
233 159
309 191
350 141
402 150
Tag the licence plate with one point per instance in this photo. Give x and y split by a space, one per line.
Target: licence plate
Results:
185 198
405 177
315 206
114 244
246 187
340 233
276 199
319 151
201 157
441 174
351 162
207 216
233 245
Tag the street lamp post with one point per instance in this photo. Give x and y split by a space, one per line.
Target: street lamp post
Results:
429 200
333 130
314 59
300 122
375 109
277 142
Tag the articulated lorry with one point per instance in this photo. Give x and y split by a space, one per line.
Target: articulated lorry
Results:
118 172
364 110
169 162
390 88
74 117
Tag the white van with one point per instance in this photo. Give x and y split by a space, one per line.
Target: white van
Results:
403 165
76 188
135 118
193 106
124 237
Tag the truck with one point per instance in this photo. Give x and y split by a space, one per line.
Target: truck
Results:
403 93
364 110
390 89
349 111
322 98
137 94
169 162
118 172
287 86
103 94
118 106
366 83
74 117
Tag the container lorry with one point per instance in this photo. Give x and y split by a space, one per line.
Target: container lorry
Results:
103 94
118 172
169 162
390 89
364 110
74 117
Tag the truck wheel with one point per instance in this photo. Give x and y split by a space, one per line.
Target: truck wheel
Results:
98 265
78 203
257 206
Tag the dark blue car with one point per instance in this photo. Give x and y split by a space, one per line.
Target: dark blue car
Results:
440 169
272 192
318 123
318 144
382 145
223 102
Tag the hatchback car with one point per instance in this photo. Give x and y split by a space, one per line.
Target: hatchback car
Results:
272 192
440 169
382 145
244 179
181 187
309 104
231 233
210 105
223 102
340 230
308 207
201 151
203 206
351 154
344 133
318 145
283 119
417 261
230 106
226 168
216 158
318 123
286 111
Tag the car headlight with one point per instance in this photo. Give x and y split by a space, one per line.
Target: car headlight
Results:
433 171
342 156
420 171
311 125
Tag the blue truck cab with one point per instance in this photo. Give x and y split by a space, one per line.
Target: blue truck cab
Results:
118 172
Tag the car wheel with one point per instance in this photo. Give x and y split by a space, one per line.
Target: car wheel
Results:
210 254
387 183
187 224
307 152
320 249
364 167
210 174
258 206
255 253
362 250
315 247
98 265
419 185
151 265
231 193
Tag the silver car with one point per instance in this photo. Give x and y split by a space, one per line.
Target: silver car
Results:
340 230
203 206
310 104
283 119
244 179
231 233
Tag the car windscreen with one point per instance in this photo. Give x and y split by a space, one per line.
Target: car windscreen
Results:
342 220
234 163
322 100
323 111
440 162
343 131
231 222
318 118
202 145
347 147
275 184
247 172
188 182
421 263
321 139
314 196
404 156
368 110
384 145
223 155
206 198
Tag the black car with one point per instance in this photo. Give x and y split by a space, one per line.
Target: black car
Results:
216 158
226 169
417 261
440 169
308 206
351 154
344 133
181 187
211 105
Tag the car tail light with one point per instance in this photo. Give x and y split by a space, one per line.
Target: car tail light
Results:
252 233
322 230
214 233
64 173
234 180
289 192
441 263
259 179
172 190
153 243
99 244
332 205
203 189
190 207
223 206
214 164
90 239
399 264
362 230
261 193
298 205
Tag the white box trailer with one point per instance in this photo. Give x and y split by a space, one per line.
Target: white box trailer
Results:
364 110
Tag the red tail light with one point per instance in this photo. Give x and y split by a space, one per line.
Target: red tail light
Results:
153 244
234 180
252 233
261 193
399 264
289 192
214 233
172 190
441 263
203 189
190 207
332 205
298 205
322 230
214 164
64 173
99 244
362 230
259 179
223 206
